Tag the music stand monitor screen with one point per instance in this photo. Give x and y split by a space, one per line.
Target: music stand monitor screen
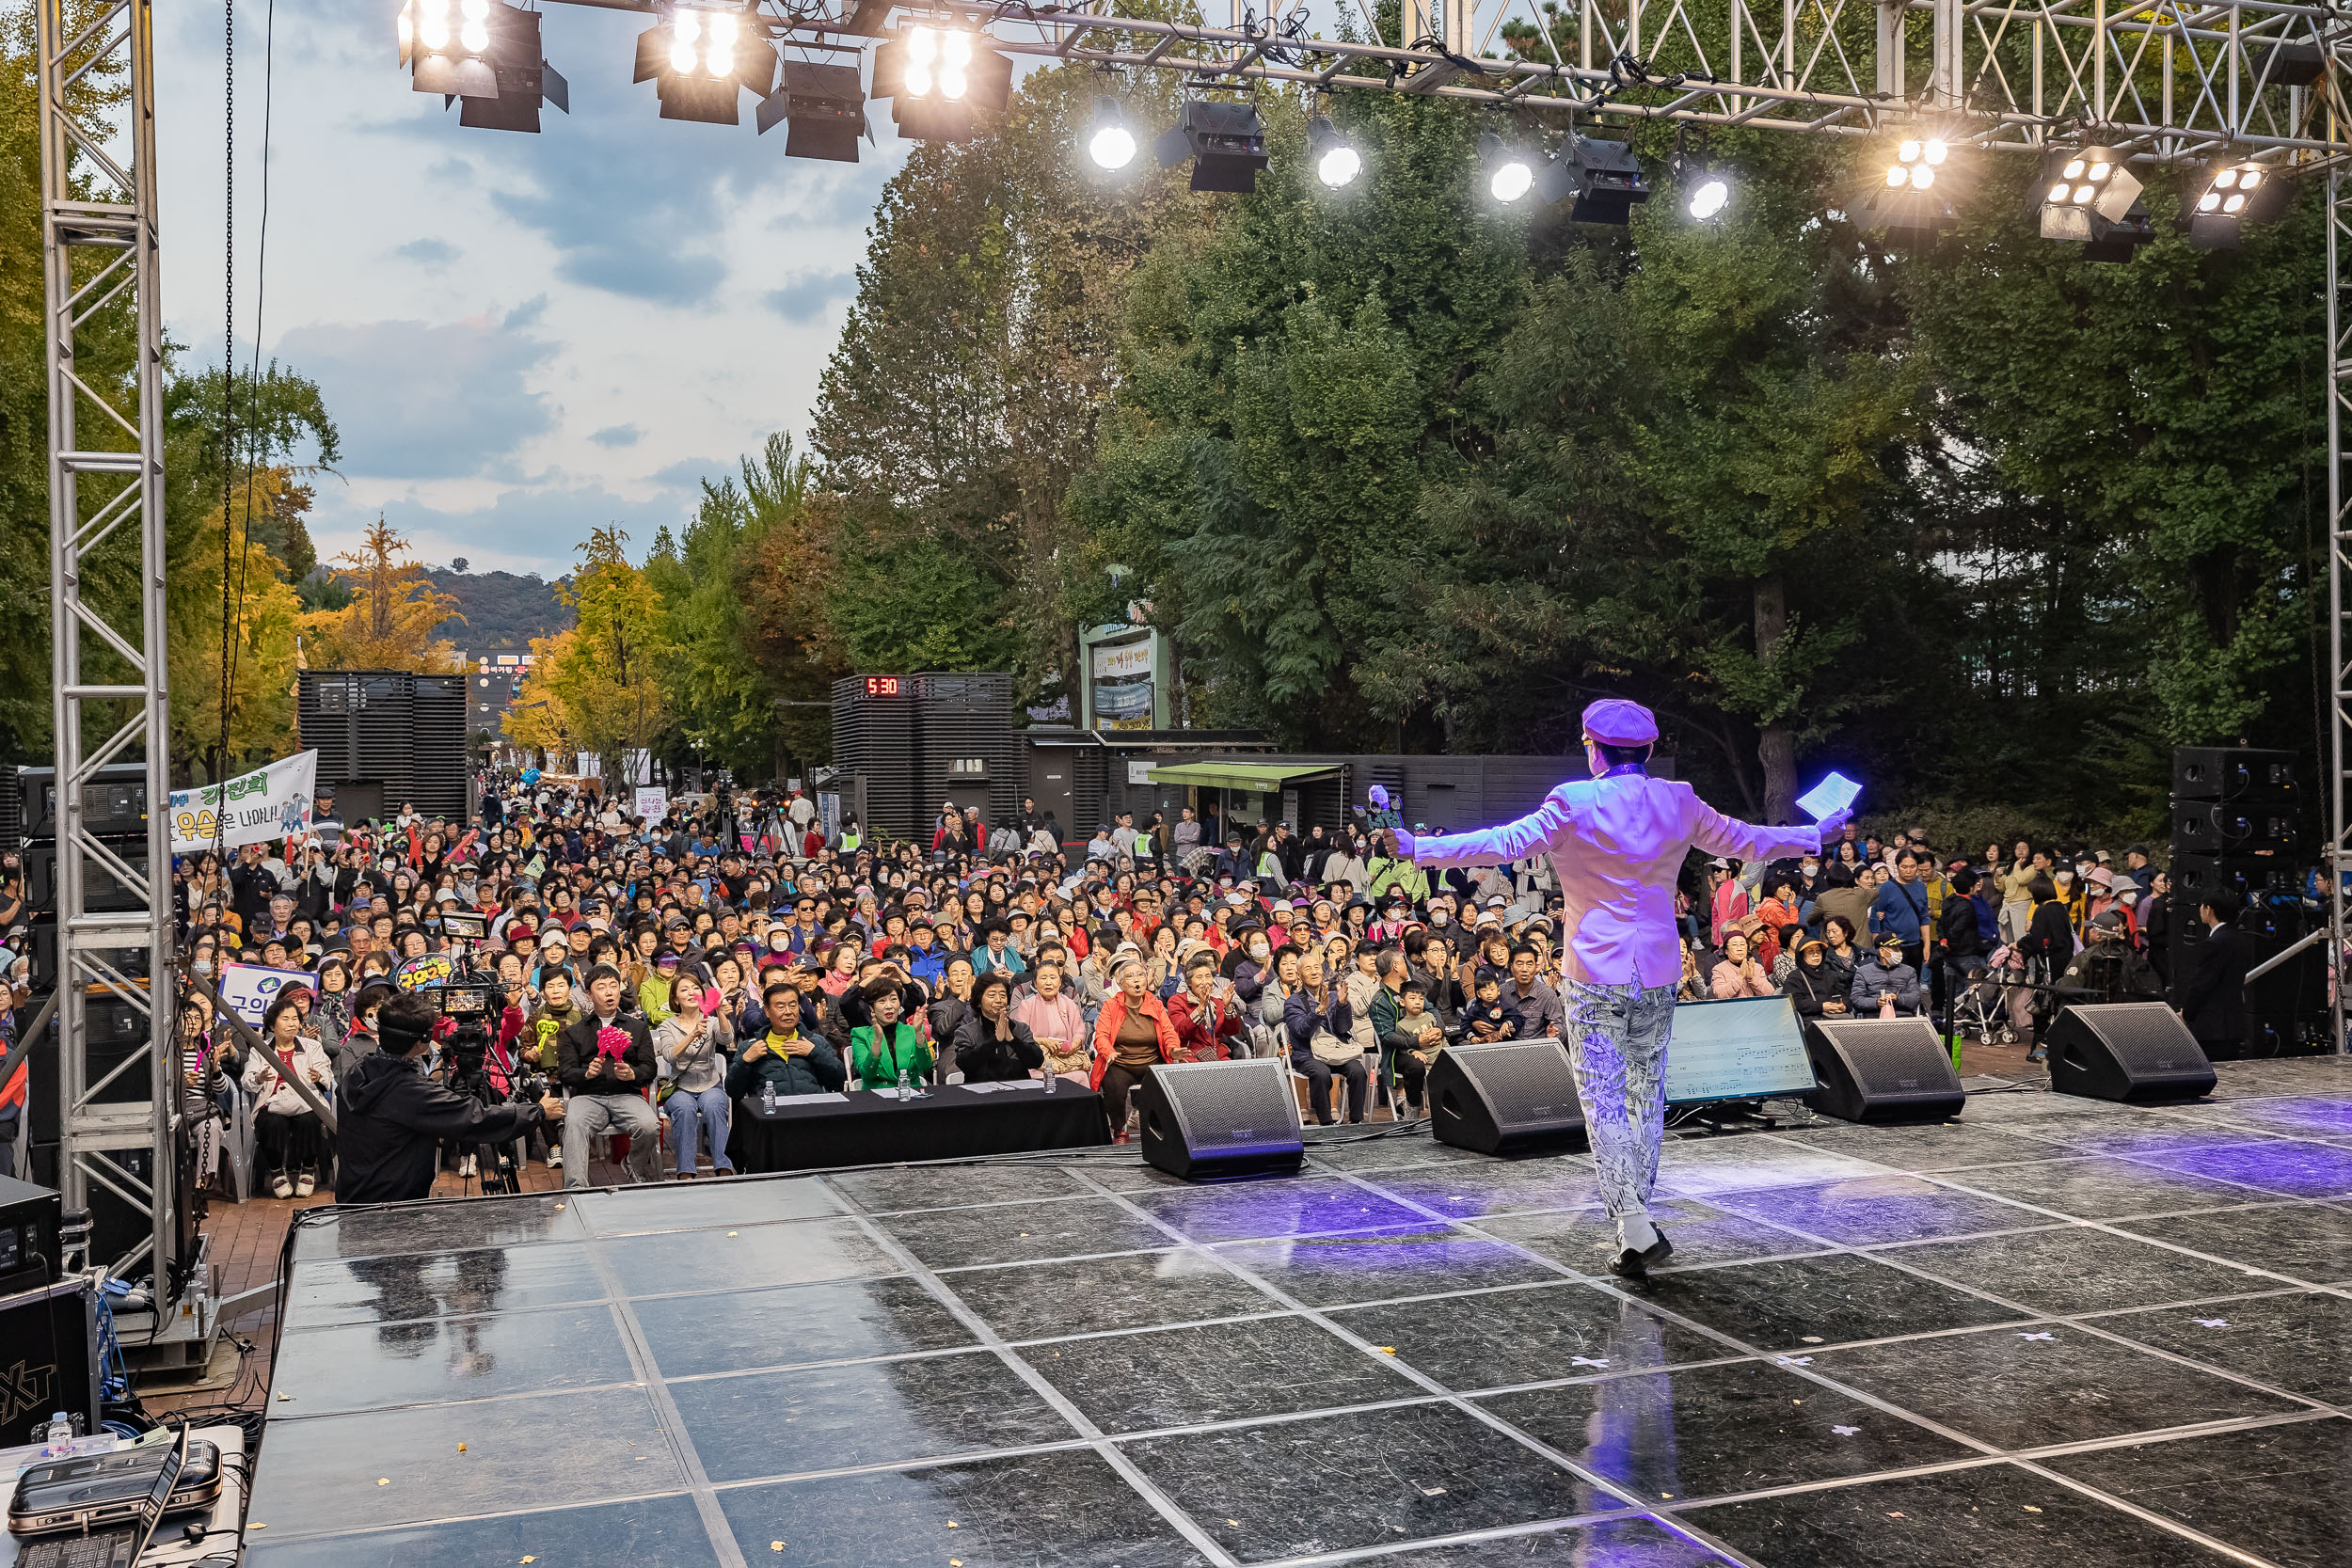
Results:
1746 1048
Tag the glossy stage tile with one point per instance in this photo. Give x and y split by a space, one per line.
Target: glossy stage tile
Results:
1502 1338
2073 1269
2291 1168
2138 1136
2100 1188
403 1286
2013 1112
678 1205
1331 1482
2295 1115
793 1253
1795 1304
791 1325
1136 1290
881 1192
1174 1377
1707 1432
320 1476
1468 1190
645 1532
2310 1242
1065 1509
2032 1386
1740 1165
441 1227
1300 1206
1390 1153
2276 1491
1866 1210
435 1360
1635 1541
1992 1515
966 1238
1942 1146
870 1413
2301 1342
1327 1271
1703 1234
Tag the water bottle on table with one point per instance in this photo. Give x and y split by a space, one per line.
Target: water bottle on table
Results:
768 1098
906 1084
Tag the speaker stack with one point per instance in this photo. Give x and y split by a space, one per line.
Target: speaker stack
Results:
2238 825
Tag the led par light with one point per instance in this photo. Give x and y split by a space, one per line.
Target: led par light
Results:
942 81
2085 193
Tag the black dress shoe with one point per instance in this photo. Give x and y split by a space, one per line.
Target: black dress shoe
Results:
1628 1265
1657 1252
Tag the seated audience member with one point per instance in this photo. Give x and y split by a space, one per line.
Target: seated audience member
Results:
785 1059
1738 972
996 1046
1884 985
887 1048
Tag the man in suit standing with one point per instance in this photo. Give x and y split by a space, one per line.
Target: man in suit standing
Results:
1618 842
2212 1004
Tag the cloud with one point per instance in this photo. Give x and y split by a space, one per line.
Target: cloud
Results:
806 298
433 255
613 437
535 529
688 473
415 401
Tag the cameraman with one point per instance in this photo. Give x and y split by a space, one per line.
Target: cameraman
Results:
394 1117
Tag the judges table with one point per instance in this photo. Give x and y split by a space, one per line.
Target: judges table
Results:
954 1121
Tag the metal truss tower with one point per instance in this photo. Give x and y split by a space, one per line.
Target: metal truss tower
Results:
105 364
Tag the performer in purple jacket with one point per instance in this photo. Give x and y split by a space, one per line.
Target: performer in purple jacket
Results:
1616 842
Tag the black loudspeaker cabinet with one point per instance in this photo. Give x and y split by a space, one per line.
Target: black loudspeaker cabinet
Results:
1203 1121
2235 828
51 1339
2231 773
130 963
28 1237
102 892
2255 878
1508 1097
1882 1069
118 1034
2135 1051
113 800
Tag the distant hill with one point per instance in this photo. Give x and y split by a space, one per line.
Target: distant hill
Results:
503 609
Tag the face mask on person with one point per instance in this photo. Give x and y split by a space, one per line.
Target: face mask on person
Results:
1259 950
2064 877
1812 867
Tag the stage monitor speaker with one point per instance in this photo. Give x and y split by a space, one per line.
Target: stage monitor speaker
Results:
1203 1121
1507 1098
2230 773
50 1337
2133 1052
1882 1069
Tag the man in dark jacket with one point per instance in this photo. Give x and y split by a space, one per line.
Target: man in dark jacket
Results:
606 1087
790 1059
2214 1001
395 1118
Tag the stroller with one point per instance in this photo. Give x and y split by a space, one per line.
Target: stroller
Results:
1977 1008
2009 1001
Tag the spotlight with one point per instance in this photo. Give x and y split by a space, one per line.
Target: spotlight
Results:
1709 199
938 78
1605 179
822 108
1917 159
1337 162
1226 142
2087 195
485 56
2237 195
1109 142
1905 202
701 65
1708 192
1510 170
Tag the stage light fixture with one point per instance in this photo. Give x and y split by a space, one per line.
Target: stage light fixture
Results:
2085 193
822 108
1710 198
483 56
1510 170
1605 179
1908 200
1337 162
1917 160
1225 140
1110 142
2237 193
701 63
940 80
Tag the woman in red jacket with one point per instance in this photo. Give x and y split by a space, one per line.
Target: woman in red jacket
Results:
1132 1036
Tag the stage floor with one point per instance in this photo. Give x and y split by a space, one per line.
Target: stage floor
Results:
2059 1333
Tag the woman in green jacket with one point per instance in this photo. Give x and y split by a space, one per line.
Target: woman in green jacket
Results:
881 1051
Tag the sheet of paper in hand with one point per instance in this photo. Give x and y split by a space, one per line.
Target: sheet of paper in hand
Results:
1833 794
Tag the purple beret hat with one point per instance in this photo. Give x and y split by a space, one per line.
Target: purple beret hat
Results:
1614 721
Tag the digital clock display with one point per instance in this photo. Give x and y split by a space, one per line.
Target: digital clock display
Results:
881 685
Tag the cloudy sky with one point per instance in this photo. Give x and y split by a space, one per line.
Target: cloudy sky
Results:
521 337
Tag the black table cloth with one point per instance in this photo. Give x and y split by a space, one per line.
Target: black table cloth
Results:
954 1122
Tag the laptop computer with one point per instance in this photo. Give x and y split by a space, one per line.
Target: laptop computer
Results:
112 1545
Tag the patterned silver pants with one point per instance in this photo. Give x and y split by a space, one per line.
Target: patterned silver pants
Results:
1616 1040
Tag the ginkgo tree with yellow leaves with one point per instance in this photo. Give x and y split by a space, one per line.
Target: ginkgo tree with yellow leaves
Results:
596 686
390 621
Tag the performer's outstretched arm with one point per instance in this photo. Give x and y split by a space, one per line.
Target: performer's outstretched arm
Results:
1531 835
1733 839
